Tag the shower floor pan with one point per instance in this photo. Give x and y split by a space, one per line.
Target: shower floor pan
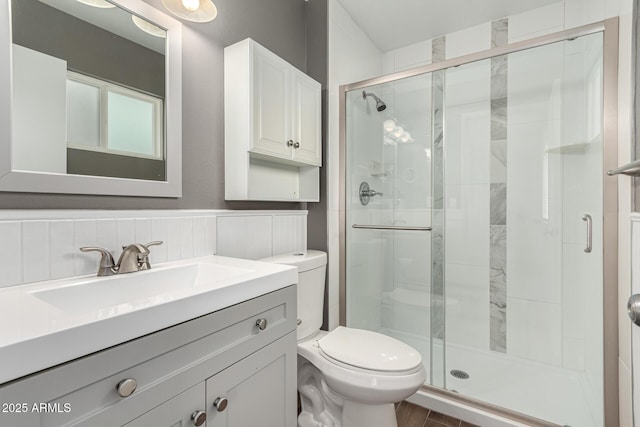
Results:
554 394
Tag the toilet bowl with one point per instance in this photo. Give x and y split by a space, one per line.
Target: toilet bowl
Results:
346 377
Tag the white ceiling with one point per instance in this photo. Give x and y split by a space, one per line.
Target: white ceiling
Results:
391 24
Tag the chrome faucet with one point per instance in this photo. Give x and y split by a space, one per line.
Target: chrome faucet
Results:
134 257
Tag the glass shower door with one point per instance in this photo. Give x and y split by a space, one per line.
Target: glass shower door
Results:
389 208
523 231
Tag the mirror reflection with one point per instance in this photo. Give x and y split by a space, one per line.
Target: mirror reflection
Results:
88 90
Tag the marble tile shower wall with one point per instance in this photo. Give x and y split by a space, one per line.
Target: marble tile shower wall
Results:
43 245
437 313
498 190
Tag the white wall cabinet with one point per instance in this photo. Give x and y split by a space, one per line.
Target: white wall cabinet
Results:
179 371
273 127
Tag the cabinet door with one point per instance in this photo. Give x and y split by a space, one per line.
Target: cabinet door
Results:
271 104
260 390
307 112
176 412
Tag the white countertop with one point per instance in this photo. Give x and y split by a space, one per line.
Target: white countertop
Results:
41 327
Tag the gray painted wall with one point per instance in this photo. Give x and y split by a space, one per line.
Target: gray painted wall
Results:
317 53
279 25
86 162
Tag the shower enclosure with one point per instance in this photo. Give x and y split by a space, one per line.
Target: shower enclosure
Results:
475 218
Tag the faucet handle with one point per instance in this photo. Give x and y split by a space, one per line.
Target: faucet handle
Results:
106 261
143 258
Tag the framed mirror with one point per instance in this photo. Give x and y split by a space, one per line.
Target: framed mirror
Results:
90 98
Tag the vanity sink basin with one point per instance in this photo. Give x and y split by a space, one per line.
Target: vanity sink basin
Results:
112 294
47 323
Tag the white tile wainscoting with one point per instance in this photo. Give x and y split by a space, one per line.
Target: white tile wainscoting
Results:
38 245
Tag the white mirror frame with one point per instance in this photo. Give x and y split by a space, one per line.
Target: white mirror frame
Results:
44 182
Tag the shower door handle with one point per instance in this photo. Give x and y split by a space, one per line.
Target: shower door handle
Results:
587 218
633 309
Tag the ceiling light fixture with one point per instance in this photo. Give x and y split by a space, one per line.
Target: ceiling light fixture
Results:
148 27
102 4
192 10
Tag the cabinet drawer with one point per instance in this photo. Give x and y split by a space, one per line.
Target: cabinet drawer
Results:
163 364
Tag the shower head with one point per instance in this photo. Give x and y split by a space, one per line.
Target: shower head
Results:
380 105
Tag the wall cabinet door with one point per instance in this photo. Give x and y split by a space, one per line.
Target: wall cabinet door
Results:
307 105
176 412
271 105
259 390
286 111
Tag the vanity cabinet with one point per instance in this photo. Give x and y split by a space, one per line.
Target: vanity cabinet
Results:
252 392
244 354
273 135
179 410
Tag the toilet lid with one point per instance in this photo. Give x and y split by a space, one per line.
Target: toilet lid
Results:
369 350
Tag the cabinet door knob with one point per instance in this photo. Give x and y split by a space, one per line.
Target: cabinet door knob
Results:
220 403
198 418
289 143
126 387
296 145
261 324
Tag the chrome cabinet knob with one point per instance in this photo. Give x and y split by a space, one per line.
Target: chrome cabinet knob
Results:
261 324
290 143
296 145
220 404
198 418
633 309
126 387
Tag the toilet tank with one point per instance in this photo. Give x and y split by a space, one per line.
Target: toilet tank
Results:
311 273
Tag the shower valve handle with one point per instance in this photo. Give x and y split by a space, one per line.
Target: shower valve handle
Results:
366 193
370 193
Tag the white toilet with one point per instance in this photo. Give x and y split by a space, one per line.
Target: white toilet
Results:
346 377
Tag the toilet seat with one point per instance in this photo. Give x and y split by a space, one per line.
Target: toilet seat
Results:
369 351
360 384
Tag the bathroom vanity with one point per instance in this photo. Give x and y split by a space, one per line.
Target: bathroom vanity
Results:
234 365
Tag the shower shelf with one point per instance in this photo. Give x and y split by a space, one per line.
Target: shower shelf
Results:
630 169
570 148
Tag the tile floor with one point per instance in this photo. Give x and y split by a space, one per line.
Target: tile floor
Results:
410 415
